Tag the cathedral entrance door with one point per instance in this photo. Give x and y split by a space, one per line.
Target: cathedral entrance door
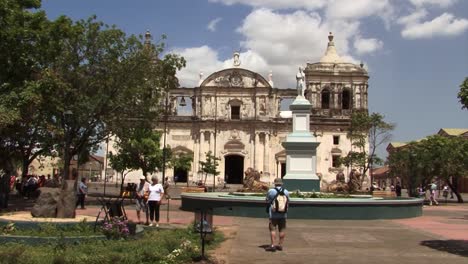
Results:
234 169
180 175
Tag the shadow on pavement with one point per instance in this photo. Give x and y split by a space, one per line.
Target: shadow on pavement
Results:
457 247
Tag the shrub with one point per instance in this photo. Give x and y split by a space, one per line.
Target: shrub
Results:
116 228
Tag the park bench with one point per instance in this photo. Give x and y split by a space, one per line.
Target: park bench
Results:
193 189
383 194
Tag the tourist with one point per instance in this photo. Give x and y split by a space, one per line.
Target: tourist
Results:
141 195
81 193
12 182
278 199
398 189
154 200
433 189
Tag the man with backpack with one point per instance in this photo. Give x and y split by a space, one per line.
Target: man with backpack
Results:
278 201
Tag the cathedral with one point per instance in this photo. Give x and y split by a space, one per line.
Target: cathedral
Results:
236 114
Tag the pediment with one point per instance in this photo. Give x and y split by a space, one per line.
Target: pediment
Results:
234 145
235 77
182 150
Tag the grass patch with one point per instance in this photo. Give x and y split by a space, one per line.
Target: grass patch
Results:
164 246
51 230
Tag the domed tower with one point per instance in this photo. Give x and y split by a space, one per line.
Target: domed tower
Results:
335 88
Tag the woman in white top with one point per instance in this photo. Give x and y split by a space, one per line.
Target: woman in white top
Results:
156 191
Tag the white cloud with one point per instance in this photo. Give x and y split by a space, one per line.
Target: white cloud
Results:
198 59
213 23
277 4
440 3
369 45
443 25
413 17
358 8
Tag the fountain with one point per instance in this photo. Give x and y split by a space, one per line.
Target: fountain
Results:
301 177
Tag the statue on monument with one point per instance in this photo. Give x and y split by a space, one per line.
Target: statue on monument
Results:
300 78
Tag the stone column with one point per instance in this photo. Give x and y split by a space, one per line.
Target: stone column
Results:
212 142
200 145
256 150
252 150
266 152
196 156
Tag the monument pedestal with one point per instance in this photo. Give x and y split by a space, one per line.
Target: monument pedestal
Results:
301 151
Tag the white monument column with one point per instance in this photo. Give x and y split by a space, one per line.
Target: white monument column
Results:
301 146
266 151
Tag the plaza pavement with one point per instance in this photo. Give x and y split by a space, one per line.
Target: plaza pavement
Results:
439 236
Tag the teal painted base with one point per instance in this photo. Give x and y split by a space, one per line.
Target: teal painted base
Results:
312 208
302 184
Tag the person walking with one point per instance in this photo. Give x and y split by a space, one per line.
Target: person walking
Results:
81 193
141 196
278 199
398 189
433 189
156 191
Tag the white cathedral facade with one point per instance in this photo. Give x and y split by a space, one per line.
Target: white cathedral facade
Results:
236 115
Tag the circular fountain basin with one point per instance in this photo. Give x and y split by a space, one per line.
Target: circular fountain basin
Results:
353 208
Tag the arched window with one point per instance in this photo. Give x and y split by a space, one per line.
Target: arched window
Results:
346 99
325 99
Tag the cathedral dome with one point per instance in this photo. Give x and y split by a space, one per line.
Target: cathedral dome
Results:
332 62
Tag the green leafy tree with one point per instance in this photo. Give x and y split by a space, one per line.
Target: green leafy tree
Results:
210 166
463 94
366 133
437 157
138 149
103 81
23 54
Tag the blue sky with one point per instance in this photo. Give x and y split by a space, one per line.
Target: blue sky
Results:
416 51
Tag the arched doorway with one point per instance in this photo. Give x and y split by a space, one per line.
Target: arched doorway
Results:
180 175
234 169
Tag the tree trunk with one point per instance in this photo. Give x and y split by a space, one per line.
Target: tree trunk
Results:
67 201
25 168
66 166
9 169
454 189
122 182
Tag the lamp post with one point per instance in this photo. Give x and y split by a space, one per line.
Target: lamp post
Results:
164 139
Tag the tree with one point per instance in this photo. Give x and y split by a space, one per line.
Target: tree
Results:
437 157
23 54
448 159
103 81
138 149
463 94
210 166
366 129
